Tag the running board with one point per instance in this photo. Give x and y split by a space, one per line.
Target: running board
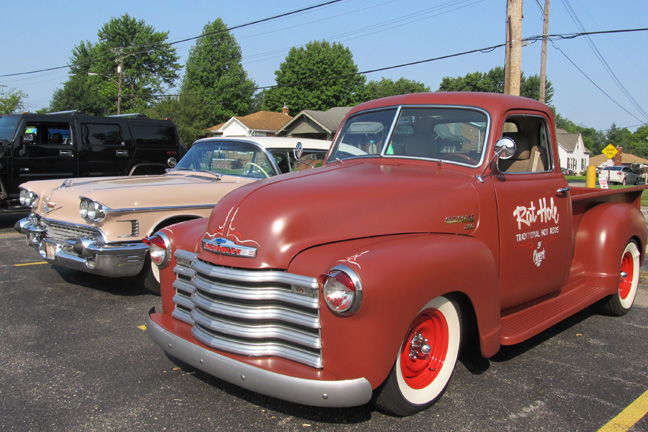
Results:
522 325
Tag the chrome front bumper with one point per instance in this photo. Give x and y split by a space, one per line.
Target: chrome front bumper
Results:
332 394
88 255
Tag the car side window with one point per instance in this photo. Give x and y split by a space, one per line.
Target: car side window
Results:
47 133
97 134
532 145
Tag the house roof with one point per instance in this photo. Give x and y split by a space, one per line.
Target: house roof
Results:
261 120
327 120
568 140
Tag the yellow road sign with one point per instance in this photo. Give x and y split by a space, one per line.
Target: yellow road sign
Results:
610 151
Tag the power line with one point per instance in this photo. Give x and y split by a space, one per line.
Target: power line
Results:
601 59
136 47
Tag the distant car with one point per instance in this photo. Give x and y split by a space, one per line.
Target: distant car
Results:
567 171
96 225
619 174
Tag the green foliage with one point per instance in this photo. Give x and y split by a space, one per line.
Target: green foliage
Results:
189 114
387 87
148 64
318 76
493 82
11 101
593 139
214 73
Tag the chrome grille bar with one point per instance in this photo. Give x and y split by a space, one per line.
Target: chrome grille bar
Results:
247 312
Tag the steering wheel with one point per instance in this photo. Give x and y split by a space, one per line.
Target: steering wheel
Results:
257 167
460 157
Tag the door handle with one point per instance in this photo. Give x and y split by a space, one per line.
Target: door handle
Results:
563 190
66 153
121 153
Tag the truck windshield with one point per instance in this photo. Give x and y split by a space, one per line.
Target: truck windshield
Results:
238 158
444 133
7 128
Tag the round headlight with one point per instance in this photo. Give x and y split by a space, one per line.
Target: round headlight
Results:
159 249
91 211
83 208
342 290
27 198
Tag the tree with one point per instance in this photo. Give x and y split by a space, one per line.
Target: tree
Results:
12 101
620 137
493 82
318 76
387 87
640 141
215 74
129 54
189 114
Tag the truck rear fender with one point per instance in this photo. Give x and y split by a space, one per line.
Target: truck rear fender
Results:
399 275
601 239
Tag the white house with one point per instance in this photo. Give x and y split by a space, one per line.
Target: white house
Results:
572 151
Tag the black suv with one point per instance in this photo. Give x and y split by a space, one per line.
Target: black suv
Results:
63 145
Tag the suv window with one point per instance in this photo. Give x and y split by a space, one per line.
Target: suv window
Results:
46 133
154 135
101 134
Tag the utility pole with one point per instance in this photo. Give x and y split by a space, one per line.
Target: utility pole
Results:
543 59
513 67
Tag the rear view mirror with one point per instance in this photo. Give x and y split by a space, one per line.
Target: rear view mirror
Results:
505 148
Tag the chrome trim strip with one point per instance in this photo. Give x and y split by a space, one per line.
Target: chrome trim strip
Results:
332 394
256 312
257 331
257 349
255 276
255 293
117 212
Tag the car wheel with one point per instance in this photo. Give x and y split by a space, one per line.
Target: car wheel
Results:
620 302
147 277
425 361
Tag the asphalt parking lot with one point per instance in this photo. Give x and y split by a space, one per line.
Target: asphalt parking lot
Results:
75 356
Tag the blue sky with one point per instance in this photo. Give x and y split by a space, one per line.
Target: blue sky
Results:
380 33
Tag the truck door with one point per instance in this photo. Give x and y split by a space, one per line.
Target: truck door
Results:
106 148
534 207
43 150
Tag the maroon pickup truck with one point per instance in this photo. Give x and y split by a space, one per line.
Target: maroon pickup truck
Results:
439 222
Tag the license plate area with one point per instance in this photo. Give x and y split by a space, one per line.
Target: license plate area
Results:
50 250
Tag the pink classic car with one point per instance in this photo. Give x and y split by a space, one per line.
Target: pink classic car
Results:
96 225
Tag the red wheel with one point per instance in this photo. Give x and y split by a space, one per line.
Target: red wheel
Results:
426 360
620 303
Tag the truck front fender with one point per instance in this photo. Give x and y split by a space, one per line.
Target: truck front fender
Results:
399 275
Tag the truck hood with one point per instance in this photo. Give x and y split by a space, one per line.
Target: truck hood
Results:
60 200
283 216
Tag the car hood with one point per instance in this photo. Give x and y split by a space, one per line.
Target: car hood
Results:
60 199
283 216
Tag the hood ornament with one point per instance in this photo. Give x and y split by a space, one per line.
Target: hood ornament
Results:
223 246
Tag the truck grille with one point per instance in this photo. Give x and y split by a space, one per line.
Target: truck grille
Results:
60 232
247 312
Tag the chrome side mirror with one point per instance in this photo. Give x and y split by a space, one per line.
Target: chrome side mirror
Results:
298 151
505 148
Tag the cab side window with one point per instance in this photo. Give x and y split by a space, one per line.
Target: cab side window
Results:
532 145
